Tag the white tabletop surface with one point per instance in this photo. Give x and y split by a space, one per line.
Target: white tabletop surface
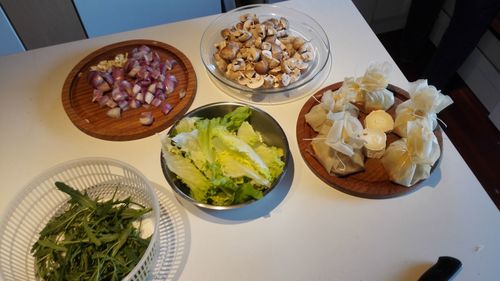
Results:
305 230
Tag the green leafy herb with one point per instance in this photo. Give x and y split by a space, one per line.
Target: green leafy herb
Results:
91 240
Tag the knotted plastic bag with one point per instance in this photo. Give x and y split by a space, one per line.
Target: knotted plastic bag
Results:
332 160
340 100
373 87
410 159
424 103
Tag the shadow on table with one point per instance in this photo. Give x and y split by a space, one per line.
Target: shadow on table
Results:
413 272
260 208
434 178
174 237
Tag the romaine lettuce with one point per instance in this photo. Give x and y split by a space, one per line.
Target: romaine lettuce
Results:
223 161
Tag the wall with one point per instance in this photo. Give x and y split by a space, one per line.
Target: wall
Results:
40 23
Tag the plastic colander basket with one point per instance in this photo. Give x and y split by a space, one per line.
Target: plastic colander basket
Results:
39 201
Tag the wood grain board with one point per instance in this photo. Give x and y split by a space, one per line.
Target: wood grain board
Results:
92 119
374 181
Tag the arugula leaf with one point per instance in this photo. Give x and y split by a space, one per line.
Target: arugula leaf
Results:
91 240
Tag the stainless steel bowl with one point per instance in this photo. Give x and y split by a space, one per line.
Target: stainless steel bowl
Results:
271 132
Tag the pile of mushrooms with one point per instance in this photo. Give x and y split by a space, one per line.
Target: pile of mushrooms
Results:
262 54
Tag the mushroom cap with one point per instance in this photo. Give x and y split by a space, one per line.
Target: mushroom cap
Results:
261 67
256 82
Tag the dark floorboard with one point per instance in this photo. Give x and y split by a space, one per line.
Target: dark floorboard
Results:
468 125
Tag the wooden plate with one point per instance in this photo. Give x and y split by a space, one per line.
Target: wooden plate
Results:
92 120
374 181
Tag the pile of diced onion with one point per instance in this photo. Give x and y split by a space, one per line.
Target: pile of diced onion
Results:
143 80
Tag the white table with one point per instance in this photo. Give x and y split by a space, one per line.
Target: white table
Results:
306 230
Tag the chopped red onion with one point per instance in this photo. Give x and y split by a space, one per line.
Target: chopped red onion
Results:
169 64
166 108
170 86
136 89
182 93
96 79
156 102
144 82
148 83
144 48
152 88
148 98
108 78
134 70
139 96
133 103
103 100
148 57
172 78
123 104
146 118
114 112
160 94
96 95
161 85
118 74
111 103
155 73
91 76
103 87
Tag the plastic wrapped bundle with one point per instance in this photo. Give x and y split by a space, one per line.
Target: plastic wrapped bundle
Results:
338 147
410 159
373 88
424 103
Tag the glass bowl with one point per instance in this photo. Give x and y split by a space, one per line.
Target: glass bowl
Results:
262 122
300 25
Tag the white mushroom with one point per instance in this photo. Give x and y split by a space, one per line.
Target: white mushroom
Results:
285 79
249 73
248 24
233 75
262 54
295 75
273 63
306 47
242 80
246 17
266 54
283 23
238 64
271 31
220 62
307 56
282 33
276 70
219 46
257 42
261 30
277 51
298 42
256 82
229 52
268 81
262 67
266 46
245 35
253 54
301 65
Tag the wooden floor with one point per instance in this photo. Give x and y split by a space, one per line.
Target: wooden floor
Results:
468 126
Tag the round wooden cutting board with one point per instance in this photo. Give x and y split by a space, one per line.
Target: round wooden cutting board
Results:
92 119
374 181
